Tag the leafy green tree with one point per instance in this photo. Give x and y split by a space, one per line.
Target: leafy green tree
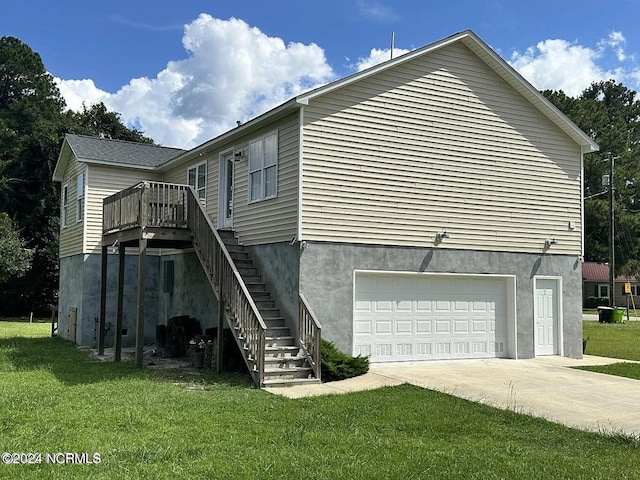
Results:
97 120
15 258
609 112
33 122
31 125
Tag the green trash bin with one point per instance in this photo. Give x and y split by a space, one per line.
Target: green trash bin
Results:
618 314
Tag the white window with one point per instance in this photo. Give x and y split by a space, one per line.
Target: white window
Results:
263 167
603 290
634 290
197 178
64 206
80 198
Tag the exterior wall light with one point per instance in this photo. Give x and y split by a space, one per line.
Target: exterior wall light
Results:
441 235
550 241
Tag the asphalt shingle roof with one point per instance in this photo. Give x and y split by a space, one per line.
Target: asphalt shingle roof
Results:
120 152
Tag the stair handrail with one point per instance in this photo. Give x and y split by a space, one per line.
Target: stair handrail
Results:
309 335
227 282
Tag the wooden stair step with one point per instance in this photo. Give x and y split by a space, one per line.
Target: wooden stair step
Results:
277 331
273 321
286 362
262 304
282 351
248 271
286 339
243 262
289 382
251 279
289 374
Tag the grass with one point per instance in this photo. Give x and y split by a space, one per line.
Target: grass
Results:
614 340
169 424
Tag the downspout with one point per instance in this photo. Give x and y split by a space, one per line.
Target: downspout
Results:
300 170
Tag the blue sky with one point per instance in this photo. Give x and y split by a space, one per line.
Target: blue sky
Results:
186 71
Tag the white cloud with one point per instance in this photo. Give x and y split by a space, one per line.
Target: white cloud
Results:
617 42
232 72
376 11
79 92
561 65
558 65
376 56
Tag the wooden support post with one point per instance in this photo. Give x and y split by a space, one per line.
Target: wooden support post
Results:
118 346
220 315
103 301
142 257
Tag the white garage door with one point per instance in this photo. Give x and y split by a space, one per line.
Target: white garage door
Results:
409 317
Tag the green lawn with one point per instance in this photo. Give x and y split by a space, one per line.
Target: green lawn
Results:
614 340
145 424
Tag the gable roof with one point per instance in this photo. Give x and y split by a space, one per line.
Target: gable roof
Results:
105 151
467 38
599 272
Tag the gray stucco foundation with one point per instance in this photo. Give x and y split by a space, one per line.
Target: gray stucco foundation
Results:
327 273
189 293
80 289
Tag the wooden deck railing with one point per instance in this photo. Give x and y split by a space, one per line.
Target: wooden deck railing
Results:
309 334
233 292
147 204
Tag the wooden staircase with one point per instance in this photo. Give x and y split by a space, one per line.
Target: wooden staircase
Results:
285 364
159 214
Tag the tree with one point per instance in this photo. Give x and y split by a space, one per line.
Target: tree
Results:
15 258
610 114
31 126
33 122
97 120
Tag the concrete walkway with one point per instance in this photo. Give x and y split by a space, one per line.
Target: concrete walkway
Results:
544 387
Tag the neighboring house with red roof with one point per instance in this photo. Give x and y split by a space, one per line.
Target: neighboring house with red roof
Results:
595 283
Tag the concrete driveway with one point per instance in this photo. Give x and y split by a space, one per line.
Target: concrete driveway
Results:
544 387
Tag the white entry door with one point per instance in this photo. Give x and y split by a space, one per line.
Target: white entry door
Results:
226 190
546 317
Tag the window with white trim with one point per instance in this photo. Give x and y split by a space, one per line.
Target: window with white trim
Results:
64 206
80 185
635 290
263 167
197 178
603 290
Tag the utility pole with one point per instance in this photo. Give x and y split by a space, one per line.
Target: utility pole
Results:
612 259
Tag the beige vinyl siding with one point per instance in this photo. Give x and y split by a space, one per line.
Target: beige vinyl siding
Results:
103 181
274 219
265 221
71 235
440 142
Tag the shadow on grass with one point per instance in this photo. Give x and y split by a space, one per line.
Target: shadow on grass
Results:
72 366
